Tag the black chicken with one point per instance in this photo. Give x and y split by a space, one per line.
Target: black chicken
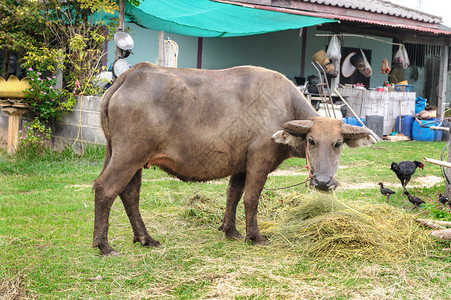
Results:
443 200
413 199
386 191
405 169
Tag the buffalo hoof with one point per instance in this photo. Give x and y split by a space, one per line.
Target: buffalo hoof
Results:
108 251
147 241
113 253
257 240
231 233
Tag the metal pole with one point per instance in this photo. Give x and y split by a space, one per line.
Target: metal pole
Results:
200 45
303 50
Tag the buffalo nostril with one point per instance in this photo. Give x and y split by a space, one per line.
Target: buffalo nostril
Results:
323 182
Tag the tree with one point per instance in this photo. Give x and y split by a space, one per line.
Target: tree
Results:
21 27
56 35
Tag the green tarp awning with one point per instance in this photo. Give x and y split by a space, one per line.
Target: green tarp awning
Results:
204 18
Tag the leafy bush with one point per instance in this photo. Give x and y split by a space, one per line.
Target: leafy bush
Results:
32 140
56 35
43 97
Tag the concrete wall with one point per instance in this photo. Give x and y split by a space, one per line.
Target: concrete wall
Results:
80 126
77 128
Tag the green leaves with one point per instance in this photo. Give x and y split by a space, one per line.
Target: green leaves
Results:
56 35
43 97
32 139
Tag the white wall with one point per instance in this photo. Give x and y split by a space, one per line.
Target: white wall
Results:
280 51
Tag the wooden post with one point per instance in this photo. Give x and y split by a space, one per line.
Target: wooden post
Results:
118 52
443 77
448 174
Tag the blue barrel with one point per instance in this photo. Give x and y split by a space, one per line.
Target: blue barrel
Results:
353 121
424 133
406 125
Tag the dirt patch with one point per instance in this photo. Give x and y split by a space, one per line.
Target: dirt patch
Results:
295 172
426 181
79 186
288 173
161 179
11 289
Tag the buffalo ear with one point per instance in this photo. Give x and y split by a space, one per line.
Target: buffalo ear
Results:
355 136
286 138
300 127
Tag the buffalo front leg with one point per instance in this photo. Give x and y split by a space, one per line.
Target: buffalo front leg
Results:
253 188
112 181
130 199
234 193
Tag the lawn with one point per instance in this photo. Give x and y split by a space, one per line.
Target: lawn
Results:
46 223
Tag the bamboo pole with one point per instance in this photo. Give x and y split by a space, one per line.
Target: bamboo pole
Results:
430 224
444 234
437 162
434 223
443 223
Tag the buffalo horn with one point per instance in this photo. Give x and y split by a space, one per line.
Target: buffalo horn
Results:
298 126
351 132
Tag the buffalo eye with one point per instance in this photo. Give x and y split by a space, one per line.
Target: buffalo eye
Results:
311 142
338 145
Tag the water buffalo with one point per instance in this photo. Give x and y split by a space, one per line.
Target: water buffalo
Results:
201 125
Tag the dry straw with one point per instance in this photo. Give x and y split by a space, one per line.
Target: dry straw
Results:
323 226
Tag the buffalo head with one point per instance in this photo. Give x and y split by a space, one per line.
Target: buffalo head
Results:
320 140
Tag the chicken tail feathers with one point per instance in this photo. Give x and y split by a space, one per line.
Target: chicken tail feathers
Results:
394 167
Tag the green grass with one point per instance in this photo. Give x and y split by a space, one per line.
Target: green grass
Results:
46 222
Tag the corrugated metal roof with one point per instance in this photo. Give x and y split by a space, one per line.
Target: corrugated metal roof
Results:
380 7
400 25
378 12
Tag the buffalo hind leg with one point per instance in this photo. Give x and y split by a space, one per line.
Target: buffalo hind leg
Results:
234 193
101 223
130 199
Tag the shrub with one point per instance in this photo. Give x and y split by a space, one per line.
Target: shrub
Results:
32 140
43 97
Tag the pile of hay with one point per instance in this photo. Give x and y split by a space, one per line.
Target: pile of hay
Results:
202 210
324 226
